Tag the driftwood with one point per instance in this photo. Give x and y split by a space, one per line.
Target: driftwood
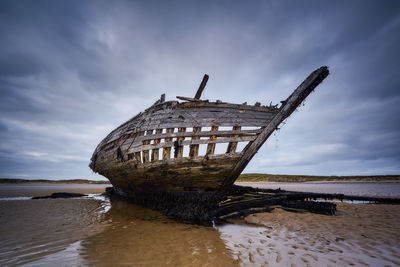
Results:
242 201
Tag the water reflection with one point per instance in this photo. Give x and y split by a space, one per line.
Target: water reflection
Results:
139 236
98 231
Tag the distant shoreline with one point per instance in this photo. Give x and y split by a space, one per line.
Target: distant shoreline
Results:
258 177
247 177
45 181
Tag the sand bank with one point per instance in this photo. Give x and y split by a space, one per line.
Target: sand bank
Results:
360 234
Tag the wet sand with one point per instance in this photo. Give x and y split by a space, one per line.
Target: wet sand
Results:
359 235
29 190
96 231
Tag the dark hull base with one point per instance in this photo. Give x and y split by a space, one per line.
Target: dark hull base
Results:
204 207
191 207
237 201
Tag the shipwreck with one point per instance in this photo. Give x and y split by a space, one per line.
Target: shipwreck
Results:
154 157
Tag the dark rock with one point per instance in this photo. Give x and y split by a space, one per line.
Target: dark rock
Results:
109 191
61 195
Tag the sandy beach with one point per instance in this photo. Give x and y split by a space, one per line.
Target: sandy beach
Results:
359 235
96 231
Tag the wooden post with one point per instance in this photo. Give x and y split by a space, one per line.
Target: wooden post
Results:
233 145
154 152
179 148
201 87
167 150
211 147
194 149
132 155
145 153
137 154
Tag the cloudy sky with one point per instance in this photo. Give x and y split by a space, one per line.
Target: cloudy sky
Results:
72 71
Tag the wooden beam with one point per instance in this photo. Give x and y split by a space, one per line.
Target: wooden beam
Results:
155 151
201 87
233 145
138 157
191 142
145 153
200 134
211 146
179 148
292 102
190 99
207 122
167 150
194 149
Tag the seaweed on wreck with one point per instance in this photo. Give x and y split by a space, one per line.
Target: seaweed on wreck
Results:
239 201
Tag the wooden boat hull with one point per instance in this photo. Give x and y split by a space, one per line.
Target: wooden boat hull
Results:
147 153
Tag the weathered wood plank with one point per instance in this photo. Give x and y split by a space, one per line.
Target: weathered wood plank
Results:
233 145
135 123
193 118
206 122
190 99
181 114
211 146
137 156
200 134
134 135
188 173
200 113
177 145
145 153
191 142
167 150
155 151
137 140
202 105
194 149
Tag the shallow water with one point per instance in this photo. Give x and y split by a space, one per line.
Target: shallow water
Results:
95 230
121 234
23 190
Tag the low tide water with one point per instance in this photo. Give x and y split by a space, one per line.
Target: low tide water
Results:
97 231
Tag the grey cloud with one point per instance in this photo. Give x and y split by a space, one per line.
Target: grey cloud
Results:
18 64
70 72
